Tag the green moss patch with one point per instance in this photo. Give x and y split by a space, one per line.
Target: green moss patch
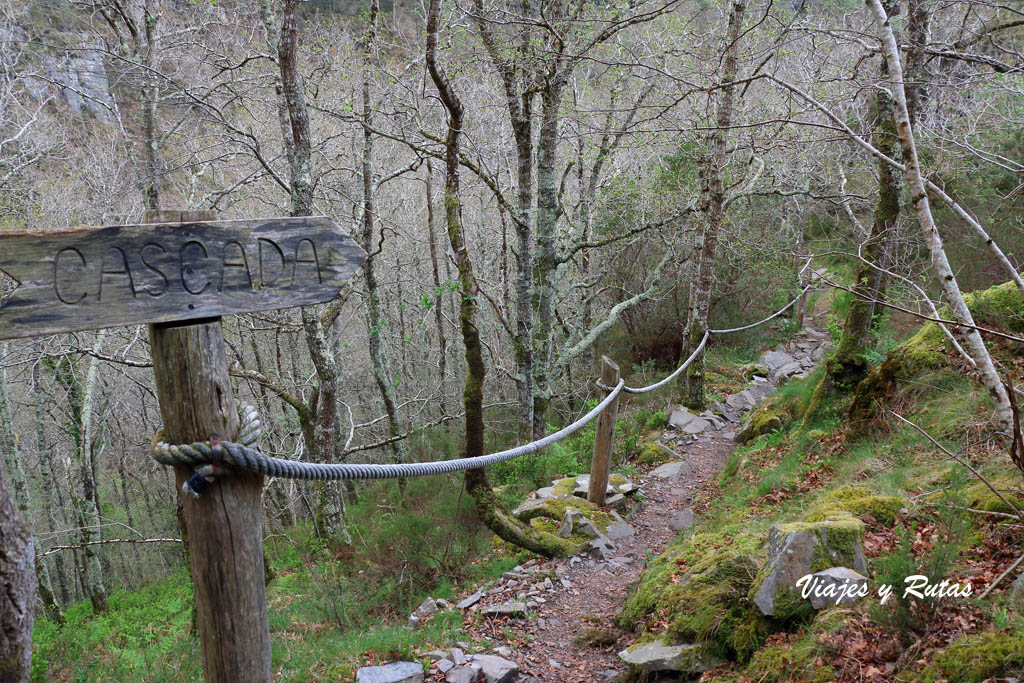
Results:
979 657
860 502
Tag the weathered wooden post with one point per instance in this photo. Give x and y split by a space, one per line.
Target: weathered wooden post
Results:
225 524
605 436
180 273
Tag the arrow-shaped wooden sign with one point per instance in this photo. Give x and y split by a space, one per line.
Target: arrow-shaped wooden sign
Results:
95 277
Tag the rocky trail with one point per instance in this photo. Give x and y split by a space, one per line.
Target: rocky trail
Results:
554 620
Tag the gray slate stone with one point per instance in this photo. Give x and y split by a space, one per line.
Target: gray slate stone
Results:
741 401
793 554
773 360
834 578
697 425
464 673
681 520
497 669
471 600
565 530
601 548
512 608
426 608
787 370
396 672
619 529
657 656
680 417
673 470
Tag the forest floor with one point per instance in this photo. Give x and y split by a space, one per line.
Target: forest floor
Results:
573 638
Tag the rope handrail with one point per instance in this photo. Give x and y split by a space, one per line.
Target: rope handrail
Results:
210 457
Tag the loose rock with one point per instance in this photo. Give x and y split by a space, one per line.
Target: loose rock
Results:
396 672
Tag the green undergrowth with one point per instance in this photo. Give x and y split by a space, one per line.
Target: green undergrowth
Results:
329 610
698 590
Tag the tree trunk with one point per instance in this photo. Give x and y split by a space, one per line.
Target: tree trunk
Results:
17 591
442 342
712 210
848 365
547 257
374 320
296 132
486 503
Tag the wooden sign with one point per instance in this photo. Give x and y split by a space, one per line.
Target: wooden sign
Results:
95 277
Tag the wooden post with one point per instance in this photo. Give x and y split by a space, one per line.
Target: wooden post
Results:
225 525
605 436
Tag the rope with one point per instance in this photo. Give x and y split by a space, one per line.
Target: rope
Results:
211 458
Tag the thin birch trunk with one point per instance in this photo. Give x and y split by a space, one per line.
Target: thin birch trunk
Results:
972 340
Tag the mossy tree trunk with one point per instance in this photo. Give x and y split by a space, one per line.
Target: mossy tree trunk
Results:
848 365
712 209
324 406
487 505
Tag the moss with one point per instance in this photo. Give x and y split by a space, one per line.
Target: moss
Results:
979 657
765 420
792 661
861 502
553 510
981 496
564 487
617 481
697 590
653 454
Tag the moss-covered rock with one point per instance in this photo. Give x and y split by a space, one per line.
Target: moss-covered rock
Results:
764 421
803 548
981 496
860 502
977 658
696 594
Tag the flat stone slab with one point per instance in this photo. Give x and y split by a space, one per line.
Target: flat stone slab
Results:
697 425
673 470
773 360
681 520
396 672
657 656
510 608
469 601
680 417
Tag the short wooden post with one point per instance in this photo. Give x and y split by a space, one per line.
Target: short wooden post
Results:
225 525
605 437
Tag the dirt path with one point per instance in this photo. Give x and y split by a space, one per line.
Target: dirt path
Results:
593 591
